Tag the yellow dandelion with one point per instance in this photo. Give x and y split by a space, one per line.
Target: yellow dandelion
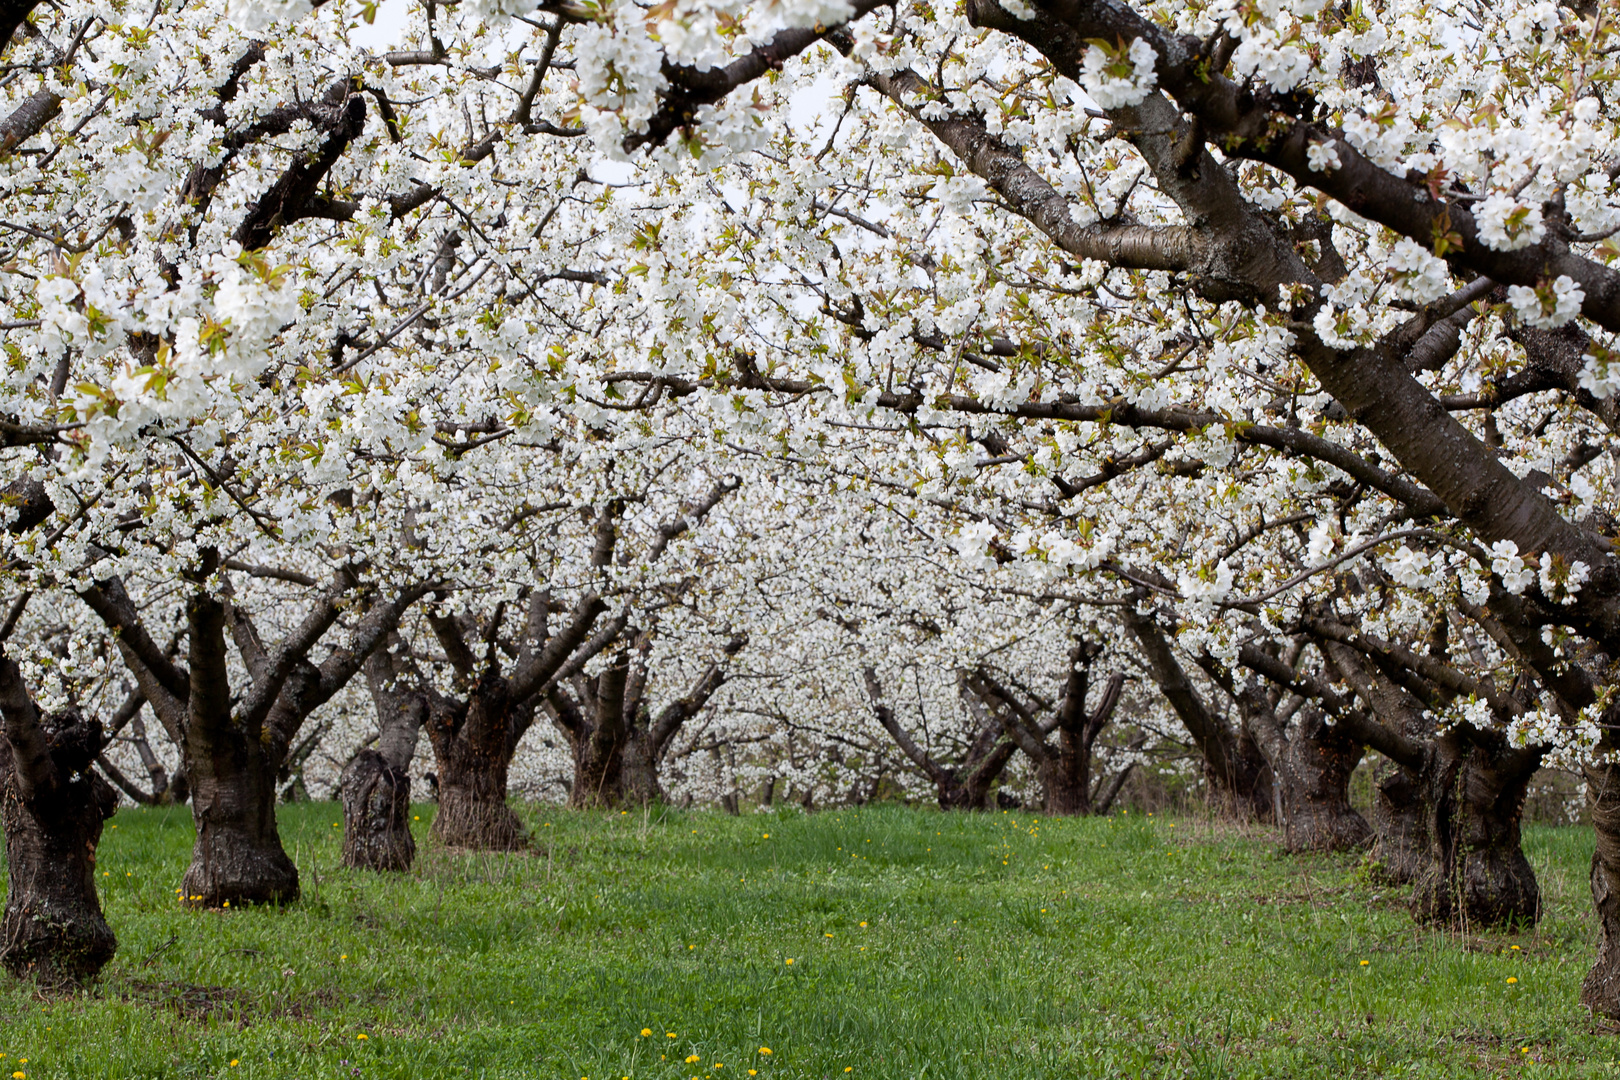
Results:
362 1036
693 1058
233 1062
1511 980
646 1032
863 924
790 959
1364 963
753 1072
671 1034
765 1050
767 836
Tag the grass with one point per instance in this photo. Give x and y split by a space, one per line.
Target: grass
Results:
921 945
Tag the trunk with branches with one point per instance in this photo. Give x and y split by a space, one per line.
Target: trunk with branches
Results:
1235 769
234 746
965 785
474 737
617 741
53 804
1064 767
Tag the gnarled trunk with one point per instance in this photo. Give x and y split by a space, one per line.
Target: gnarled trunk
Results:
1477 873
473 742
1311 765
1600 990
53 928
375 787
376 814
1400 851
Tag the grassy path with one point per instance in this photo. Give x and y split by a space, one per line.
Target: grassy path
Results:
873 943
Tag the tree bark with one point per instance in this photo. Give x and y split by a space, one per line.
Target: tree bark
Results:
1400 851
1311 762
1600 990
375 788
238 857
473 742
1477 873
53 806
376 814
1234 767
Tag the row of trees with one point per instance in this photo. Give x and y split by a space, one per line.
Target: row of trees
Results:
600 366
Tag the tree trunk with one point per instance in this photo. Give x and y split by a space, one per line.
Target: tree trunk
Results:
1477 873
1238 774
1600 991
1400 851
472 745
238 857
53 929
1310 762
639 770
376 814
375 787
1316 796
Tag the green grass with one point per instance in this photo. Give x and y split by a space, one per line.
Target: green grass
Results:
993 946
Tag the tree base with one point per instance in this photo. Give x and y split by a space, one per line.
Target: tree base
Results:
477 824
235 867
1487 888
1339 828
376 815
53 930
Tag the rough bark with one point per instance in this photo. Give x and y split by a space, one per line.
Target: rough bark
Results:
376 814
53 804
375 788
1600 991
238 855
1400 851
1477 873
473 742
1311 762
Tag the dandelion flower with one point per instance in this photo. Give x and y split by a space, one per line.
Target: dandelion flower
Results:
863 924
1364 963
646 1032
691 1058
670 1034
233 1062
790 959
362 1036
765 1050
1512 980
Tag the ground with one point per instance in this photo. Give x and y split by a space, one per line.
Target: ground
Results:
874 943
